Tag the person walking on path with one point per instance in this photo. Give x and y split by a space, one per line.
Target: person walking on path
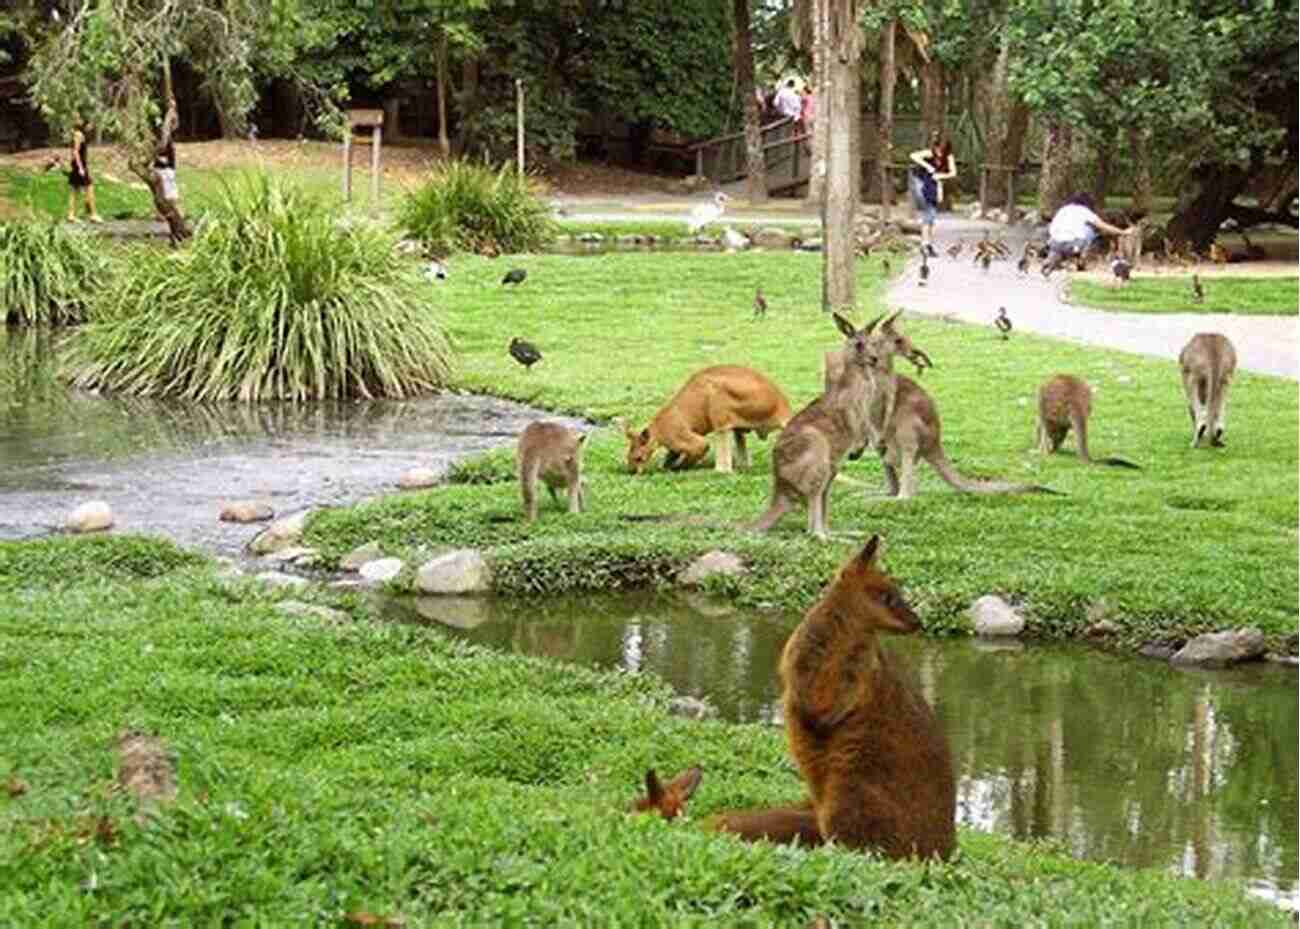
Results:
1073 230
930 168
79 179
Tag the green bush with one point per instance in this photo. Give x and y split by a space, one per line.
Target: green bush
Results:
46 273
280 296
471 207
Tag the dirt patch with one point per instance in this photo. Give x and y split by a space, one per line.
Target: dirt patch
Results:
144 767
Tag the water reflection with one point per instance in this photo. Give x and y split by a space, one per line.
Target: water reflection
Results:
1120 759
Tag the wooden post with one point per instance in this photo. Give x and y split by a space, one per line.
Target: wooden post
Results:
1011 196
984 189
519 124
376 137
361 118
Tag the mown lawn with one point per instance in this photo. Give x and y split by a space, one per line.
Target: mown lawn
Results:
1260 296
326 769
1197 540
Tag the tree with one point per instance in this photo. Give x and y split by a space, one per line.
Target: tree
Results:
754 157
840 48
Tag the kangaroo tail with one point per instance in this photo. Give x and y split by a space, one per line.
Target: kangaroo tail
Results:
1117 463
944 468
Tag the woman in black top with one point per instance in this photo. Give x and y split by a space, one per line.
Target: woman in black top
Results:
79 179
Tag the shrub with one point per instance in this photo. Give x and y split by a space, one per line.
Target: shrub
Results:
279 296
46 272
471 207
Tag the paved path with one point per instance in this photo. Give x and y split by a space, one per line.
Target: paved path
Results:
959 290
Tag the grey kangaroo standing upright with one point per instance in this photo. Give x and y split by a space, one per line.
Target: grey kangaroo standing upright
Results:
807 456
1208 362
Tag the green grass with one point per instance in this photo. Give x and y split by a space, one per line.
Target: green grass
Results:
326 769
1261 296
1198 540
46 193
46 273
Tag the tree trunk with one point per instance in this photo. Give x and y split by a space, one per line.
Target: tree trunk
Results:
1101 177
1012 148
1056 177
933 98
1205 203
821 117
1139 145
440 59
178 229
841 53
392 119
468 99
754 160
885 122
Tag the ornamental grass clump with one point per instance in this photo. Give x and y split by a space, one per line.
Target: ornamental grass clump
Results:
279 297
467 207
46 273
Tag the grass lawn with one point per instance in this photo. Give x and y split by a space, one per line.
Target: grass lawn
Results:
331 768
1197 540
1261 296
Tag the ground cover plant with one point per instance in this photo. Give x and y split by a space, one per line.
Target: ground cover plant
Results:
1260 296
279 297
46 273
334 766
1196 540
664 231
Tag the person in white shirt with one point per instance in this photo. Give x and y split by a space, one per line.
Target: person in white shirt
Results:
1073 230
788 102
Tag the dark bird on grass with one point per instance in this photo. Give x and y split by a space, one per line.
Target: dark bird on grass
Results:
1121 269
1198 292
514 276
985 259
760 304
435 270
954 250
884 266
525 353
1023 264
925 269
1002 322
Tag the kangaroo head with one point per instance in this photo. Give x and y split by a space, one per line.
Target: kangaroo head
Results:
872 595
889 341
667 799
856 341
640 446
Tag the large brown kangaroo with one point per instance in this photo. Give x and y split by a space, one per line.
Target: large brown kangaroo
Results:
1065 402
1208 362
872 754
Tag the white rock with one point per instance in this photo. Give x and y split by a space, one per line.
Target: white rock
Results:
280 579
282 533
245 511
452 610
993 616
709 564
692 708
380 570
416 478
1217 649
354 559
292 553
459 572
91 516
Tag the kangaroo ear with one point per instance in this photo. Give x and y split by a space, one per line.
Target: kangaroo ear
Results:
869 551
684 784
889 323
582 437
872 325
844 325
654 791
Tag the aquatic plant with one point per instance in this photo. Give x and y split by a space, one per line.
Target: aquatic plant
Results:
465 206
280 296
46 273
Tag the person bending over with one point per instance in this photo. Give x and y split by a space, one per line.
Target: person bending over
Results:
1073 230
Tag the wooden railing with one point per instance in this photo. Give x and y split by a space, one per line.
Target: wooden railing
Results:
785 156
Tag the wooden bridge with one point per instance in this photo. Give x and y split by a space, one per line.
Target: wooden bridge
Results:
787 157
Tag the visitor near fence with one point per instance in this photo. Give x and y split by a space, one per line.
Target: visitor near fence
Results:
788 102
930 168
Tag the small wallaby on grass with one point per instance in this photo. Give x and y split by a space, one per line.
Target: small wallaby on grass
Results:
807 455
1065 402
552 452
874 759
1208 362
911 431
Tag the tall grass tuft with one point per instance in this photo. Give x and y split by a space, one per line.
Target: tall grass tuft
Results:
467 207
279 297
46 273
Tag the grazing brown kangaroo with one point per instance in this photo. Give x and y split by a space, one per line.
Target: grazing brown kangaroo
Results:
872 754
1065 402
552 452
807 456
1208 362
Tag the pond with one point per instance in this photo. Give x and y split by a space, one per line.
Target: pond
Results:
1119 759
167 467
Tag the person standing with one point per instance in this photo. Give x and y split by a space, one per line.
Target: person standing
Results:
79 178
807 110
788 102
1073 230
930 168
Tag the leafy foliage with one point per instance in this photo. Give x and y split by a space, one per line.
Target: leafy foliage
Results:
280 297
46 273
465 206
45 564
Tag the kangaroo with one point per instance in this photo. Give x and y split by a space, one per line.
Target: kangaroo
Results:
554 453
1208 361
873 757
806 457
724 400
1065 401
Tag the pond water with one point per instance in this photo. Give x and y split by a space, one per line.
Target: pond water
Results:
167 467
1120 759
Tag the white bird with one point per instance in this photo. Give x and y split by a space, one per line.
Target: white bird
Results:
706 213
733 239
435 271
